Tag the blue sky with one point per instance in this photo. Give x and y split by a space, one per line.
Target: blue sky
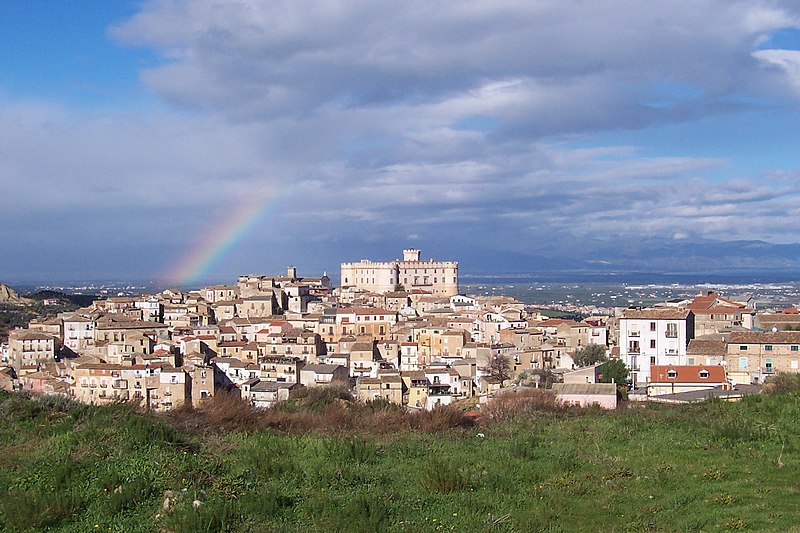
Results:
504 132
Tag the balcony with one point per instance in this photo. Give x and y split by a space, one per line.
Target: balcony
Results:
768 370
633 334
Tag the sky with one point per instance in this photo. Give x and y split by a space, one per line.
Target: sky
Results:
192 141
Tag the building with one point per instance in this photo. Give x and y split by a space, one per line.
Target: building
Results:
654 337
29 348
675 379
752 356
586 394
437 277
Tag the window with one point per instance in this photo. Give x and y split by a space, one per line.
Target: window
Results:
672 330
767 347
652 359
743 362
652 343
795 347
703 374
672 373
743 348
652 326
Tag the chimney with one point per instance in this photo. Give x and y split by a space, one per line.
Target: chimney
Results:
291 272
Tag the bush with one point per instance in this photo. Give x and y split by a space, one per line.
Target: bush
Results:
782 382
523 403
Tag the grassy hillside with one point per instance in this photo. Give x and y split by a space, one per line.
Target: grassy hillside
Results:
711 467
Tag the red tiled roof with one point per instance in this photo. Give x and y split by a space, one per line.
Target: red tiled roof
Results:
687 374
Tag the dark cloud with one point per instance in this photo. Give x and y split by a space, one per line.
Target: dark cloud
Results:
452 123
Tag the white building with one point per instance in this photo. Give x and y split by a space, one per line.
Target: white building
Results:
437 277
654 337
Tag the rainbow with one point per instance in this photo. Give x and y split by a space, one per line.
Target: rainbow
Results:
225 237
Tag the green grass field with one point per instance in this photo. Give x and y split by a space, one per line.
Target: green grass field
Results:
708 467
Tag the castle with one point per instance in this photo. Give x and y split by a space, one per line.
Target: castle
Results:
436 277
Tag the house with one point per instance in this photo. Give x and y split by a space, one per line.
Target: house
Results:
281 369
200 380
389 388
589 374
715 314
586 394
650 337
672 379
265 394
752 356
170 391
314 375
27 348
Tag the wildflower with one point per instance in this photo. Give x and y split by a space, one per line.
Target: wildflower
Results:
455 514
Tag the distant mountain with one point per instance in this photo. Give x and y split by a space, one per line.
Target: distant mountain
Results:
697 256
10 296
639 255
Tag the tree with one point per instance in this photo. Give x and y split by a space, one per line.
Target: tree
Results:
537 377
499 367
589 355
616 371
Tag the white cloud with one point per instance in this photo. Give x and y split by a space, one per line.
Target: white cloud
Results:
356 112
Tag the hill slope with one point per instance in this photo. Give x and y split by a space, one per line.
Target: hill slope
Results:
711 467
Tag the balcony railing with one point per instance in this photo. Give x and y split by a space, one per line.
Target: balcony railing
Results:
633 334
768 370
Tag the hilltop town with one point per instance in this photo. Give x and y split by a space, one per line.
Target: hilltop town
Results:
399 331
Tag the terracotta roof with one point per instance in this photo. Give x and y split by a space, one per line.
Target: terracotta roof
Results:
687 374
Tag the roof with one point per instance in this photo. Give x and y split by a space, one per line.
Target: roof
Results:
706 347
321 368
270 386
656 314
28 335
756 337
687 374
593 389
361 346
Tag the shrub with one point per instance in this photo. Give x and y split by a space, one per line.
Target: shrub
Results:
441 418
444 476
782 382
524 403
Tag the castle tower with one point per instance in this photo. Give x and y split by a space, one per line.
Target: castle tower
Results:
411 254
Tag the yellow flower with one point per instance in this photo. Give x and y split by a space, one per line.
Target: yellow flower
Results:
455 514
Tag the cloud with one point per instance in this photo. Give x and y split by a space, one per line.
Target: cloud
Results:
475 121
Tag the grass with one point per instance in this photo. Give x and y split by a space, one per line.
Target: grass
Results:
706 467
